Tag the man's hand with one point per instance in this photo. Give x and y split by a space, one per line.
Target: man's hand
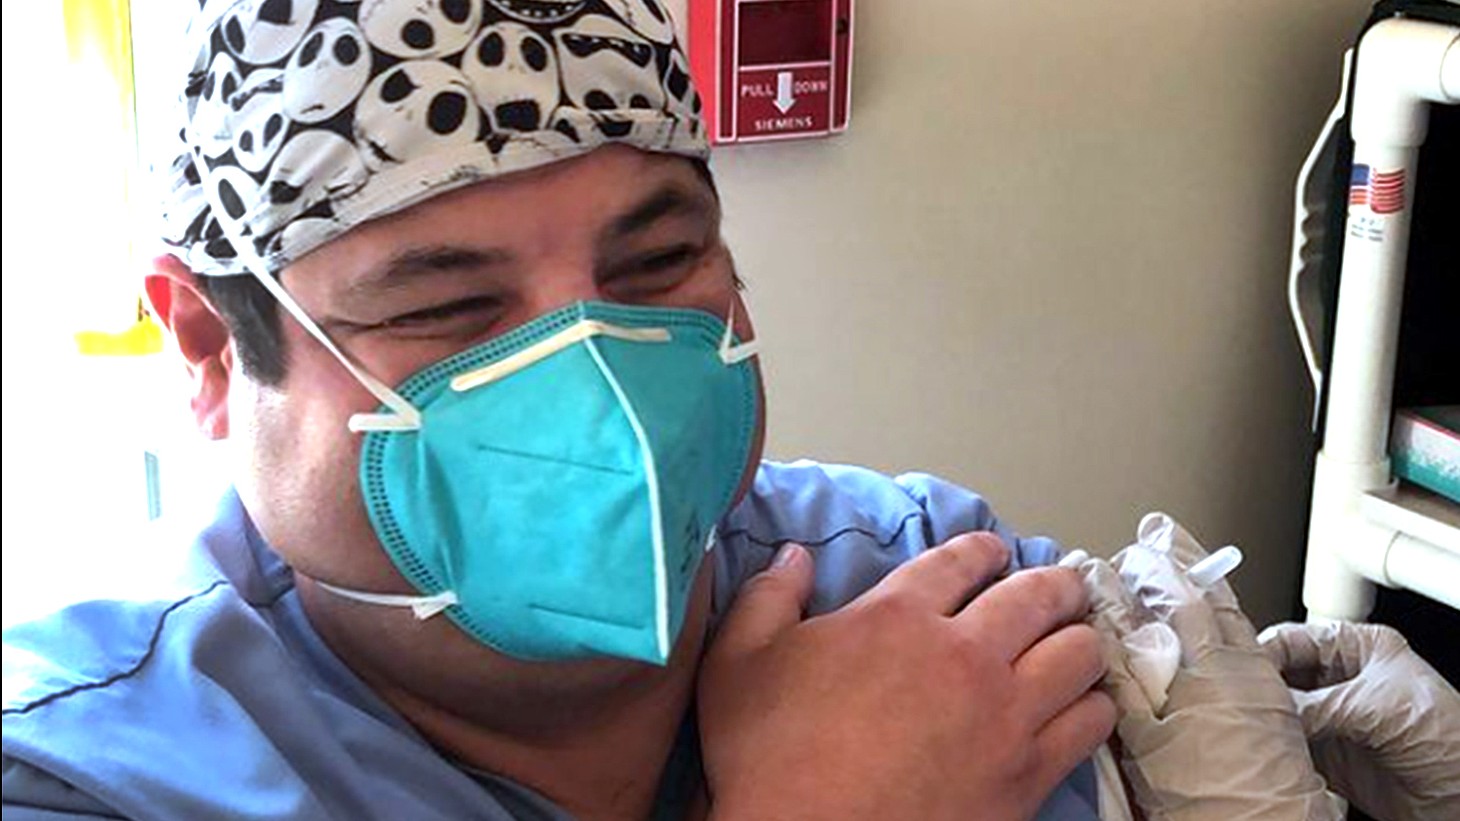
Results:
910 702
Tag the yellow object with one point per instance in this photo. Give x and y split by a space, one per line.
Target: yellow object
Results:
102 30
143 337
99 45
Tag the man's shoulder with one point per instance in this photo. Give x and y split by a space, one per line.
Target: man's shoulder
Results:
75 681
91 645
214 700
104 630
124 687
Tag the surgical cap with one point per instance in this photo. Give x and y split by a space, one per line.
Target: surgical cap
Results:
314 116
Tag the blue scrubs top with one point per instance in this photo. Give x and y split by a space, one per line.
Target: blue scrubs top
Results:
213 697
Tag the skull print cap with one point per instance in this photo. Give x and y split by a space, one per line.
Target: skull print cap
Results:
314 116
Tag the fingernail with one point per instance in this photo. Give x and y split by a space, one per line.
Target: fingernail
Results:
1074 559
789 553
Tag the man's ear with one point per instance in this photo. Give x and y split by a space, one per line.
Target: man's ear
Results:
202 337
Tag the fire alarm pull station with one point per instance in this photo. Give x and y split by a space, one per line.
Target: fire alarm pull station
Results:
772 69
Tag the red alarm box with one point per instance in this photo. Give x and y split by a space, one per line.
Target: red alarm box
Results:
772 69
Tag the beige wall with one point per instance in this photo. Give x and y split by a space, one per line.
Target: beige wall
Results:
1048 261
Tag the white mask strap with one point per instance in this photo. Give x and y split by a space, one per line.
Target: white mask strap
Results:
424 607
404 416
730 353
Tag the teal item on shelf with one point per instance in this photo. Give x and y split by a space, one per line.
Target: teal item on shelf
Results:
1425 448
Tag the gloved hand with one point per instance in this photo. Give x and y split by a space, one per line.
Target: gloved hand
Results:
1383 726
1224 742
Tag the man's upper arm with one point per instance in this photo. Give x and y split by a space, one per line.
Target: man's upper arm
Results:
859 525
952 509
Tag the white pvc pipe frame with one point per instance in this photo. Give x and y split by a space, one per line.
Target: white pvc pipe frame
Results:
1403 67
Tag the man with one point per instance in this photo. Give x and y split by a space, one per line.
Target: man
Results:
501 544
514 409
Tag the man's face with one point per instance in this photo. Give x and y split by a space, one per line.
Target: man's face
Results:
401 293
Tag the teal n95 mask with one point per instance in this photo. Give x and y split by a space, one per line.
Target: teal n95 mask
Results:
565 479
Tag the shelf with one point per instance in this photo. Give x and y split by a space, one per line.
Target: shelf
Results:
1417 512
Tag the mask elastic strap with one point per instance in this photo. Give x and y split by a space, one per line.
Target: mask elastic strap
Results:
730 353
404 416
424 607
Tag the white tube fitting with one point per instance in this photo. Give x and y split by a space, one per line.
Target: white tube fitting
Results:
1337 577
1403 64
1415 564
1450 72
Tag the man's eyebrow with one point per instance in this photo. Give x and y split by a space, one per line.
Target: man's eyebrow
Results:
670 200
432 259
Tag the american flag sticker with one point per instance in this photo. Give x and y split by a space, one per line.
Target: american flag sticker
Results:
1358 186
1382 191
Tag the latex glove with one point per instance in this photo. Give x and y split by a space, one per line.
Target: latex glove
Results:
1383 726
1227 742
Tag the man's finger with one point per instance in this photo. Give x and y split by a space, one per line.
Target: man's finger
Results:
1073 735
772 601
1019 611
944 578
1059 670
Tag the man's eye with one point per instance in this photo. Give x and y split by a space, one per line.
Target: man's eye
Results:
441 313
665 260
657 271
